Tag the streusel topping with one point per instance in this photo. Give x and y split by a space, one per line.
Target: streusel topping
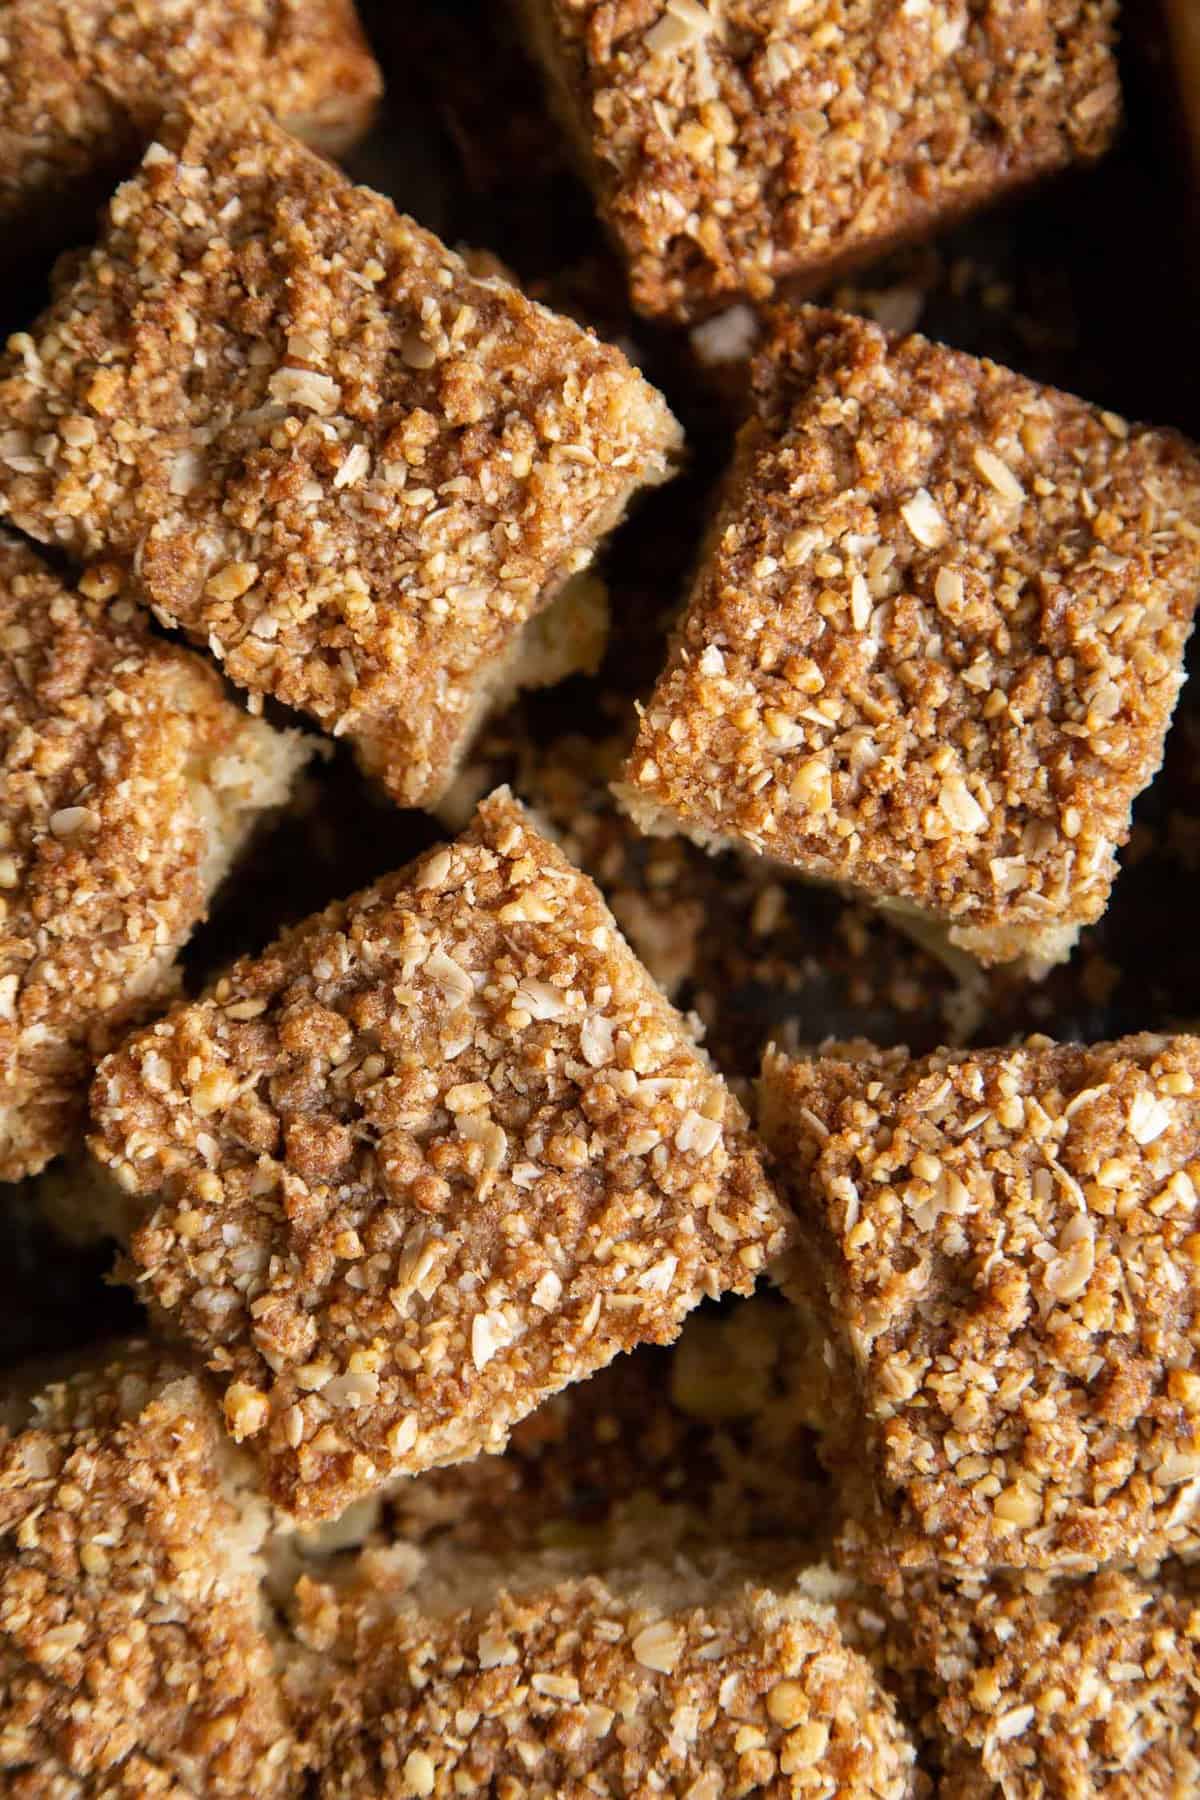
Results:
83 81
1002 1247
133 1659
935 642
628 1683
738 142
345 465
440 1151
127 782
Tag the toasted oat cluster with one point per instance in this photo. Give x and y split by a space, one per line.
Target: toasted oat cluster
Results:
1001 1248
645 1681
133 1655
83 82
353 470
128 783
440 1151
1080 1689
935 642
735 143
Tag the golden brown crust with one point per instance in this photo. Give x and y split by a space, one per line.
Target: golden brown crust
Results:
440 1151
578 1687
132 1657
84 82
127 780
735 143
935 647
1004 1246
344 464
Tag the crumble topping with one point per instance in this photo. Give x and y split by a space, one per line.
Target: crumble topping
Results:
528 1681
1067 1688
83 82
1001 1250
128 782
740 142
440 1151
338 460
133 1657
935 642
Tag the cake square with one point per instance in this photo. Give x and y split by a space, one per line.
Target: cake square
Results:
354 471
644 1679
934 643
440 1151
1000 1250
737 143
128 783
134 1660
83 83
1083 1687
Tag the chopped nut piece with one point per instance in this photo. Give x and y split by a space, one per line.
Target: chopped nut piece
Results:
735 144
658 1646
964 750
133 1660
450 1299
538 1666
372 539
997 1283
83 81
128 783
